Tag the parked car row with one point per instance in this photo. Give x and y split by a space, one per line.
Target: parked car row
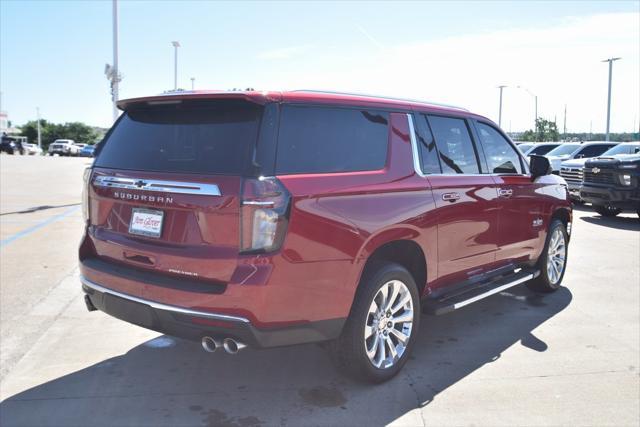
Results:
605 174
68 147
61 147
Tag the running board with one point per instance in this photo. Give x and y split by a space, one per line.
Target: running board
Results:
449 303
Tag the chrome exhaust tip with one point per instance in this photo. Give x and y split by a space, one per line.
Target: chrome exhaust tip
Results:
210 345
232 346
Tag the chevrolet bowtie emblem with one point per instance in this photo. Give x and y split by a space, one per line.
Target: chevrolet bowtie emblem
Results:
595 170
140 184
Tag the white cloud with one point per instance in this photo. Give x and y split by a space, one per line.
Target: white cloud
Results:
561 64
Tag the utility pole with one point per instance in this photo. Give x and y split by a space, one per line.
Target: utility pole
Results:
610 61
176 45
39 133
590 130
193 84
564 132
500 108
116 73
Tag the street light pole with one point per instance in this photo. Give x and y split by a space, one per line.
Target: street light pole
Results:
610 61
176 45
116 78
39 137
500 108
193 83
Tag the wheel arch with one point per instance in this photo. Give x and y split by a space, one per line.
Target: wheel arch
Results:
565 216
398 246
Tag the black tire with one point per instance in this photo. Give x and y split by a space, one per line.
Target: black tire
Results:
544 283
607 211
348 352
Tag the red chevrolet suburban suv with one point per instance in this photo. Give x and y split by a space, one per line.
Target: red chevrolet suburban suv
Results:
267 219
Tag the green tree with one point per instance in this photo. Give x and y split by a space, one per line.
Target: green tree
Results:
546 130
77 131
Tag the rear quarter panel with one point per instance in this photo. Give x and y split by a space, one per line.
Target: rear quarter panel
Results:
339 219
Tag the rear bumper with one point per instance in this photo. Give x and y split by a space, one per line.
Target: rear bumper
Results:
195 324
611 196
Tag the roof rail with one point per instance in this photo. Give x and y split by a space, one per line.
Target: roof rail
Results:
438 104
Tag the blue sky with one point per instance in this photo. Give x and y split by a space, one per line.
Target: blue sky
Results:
53 53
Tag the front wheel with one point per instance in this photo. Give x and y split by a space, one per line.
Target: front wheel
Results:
381 329
608 211
553 260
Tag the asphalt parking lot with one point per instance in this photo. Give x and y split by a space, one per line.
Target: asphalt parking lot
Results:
570 358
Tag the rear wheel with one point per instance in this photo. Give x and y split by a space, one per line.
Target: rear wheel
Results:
553 260
607 211
381 329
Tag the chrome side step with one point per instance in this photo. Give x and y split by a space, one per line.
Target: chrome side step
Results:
449 303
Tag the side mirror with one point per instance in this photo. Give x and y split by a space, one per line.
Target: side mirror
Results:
539 166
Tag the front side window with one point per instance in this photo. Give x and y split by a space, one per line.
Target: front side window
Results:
457 153
325 140
501 156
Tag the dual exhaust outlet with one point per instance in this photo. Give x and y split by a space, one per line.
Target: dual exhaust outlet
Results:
229 345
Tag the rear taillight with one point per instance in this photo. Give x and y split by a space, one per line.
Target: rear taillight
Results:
86 181
264 212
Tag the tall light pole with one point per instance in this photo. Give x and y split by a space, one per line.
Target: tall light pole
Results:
610 61
116 75
39 134
176 45
112 72
500 108
193 84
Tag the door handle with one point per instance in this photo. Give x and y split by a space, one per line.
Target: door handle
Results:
450 197
505 192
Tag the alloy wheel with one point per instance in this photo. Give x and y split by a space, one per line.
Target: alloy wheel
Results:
389 324
556 256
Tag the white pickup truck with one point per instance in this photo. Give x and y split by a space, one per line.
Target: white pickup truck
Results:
64 147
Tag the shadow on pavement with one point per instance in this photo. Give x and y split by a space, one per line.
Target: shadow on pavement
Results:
172 382
618 222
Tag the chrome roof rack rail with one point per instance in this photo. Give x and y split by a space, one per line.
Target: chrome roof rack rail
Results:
390 98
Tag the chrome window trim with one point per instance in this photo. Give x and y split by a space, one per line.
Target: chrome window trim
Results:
414 147
179 187
159 306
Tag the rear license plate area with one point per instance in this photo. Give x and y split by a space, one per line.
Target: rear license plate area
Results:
146 222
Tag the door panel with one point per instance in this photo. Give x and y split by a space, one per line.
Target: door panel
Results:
520 218
467 225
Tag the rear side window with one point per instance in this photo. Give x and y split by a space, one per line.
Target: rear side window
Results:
501 156
321 140
203 138
427 147
457 153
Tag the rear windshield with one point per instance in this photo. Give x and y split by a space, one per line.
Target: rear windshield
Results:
195 137
541 150
563 149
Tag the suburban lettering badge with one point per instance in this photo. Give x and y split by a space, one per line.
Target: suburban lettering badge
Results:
142 197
